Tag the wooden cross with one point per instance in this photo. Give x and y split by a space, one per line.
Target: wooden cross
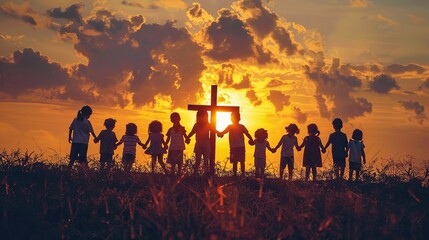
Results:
213 108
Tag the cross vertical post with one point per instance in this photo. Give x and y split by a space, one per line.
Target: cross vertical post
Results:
213 103
213 108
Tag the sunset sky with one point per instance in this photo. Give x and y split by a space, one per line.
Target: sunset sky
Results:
282 62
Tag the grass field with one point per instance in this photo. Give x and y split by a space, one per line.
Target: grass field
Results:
44 201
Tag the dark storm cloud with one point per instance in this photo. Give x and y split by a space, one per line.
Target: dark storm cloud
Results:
72 13
383 84
132 4
264 23
128 63
28 70
253 98
226 74
335 87
418 109
398 68
279 100
230 39
195 10
299 115
25 13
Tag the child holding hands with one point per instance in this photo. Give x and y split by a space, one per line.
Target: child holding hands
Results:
261 144
357 154
312 146
177 135
157 146
108 141
130 141
288 141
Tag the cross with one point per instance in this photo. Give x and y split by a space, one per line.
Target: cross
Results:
213 108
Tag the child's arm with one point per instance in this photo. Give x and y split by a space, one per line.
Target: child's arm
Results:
278 144
363 156
97 139
303 143
70 136
168 137
93 134
120 142
193 131
251 142
321 146
273 150
298 148
147 142
226 130
328 143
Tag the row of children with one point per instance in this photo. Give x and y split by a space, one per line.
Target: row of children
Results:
156 146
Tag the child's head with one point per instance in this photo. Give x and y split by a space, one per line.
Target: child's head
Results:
292 129
175 117
110 123
155 127
337 123
313 129
130 129
235 117
84 112
202 116
357 135
261 134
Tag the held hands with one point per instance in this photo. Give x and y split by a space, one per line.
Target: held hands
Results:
323 150
273 150
70 140
298 148
187 140
95 140
251 142
220 135
144 146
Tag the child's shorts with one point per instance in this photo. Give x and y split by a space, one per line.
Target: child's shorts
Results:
128 158
106 158
237 155
355 166
175 156
339 162
286 161
78 152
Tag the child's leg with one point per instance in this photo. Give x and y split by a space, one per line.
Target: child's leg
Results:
282 166
242 166
290 169
197 162
153 163
234 168
314 171
342 168
350 174
161 162
307 173
357 174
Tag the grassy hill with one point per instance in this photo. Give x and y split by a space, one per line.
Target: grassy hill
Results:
41 201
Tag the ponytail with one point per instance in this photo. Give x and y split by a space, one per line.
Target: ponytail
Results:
86 111
79 116
317 133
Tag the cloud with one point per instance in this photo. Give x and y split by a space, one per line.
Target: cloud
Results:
226 74
418 109
255 100
245 83
359 3
265 23
279 100
299 115
416 19
25 13
28 71
425 84
132 62
383 84
73 12
398 68
139 5
333 88
275 83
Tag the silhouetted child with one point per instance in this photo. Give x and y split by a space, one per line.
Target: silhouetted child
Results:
108 141
130 141
236 142
288 141
201 129
157 146
79 131
312 157
340 148
177 135
357 153
261 144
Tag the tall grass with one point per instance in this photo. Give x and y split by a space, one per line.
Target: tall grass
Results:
41 200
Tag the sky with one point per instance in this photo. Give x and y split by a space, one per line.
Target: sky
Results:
282 62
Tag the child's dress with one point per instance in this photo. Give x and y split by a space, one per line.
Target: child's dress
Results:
312 155
177 145
156 141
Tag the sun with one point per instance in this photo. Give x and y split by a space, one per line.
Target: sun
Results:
223 119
